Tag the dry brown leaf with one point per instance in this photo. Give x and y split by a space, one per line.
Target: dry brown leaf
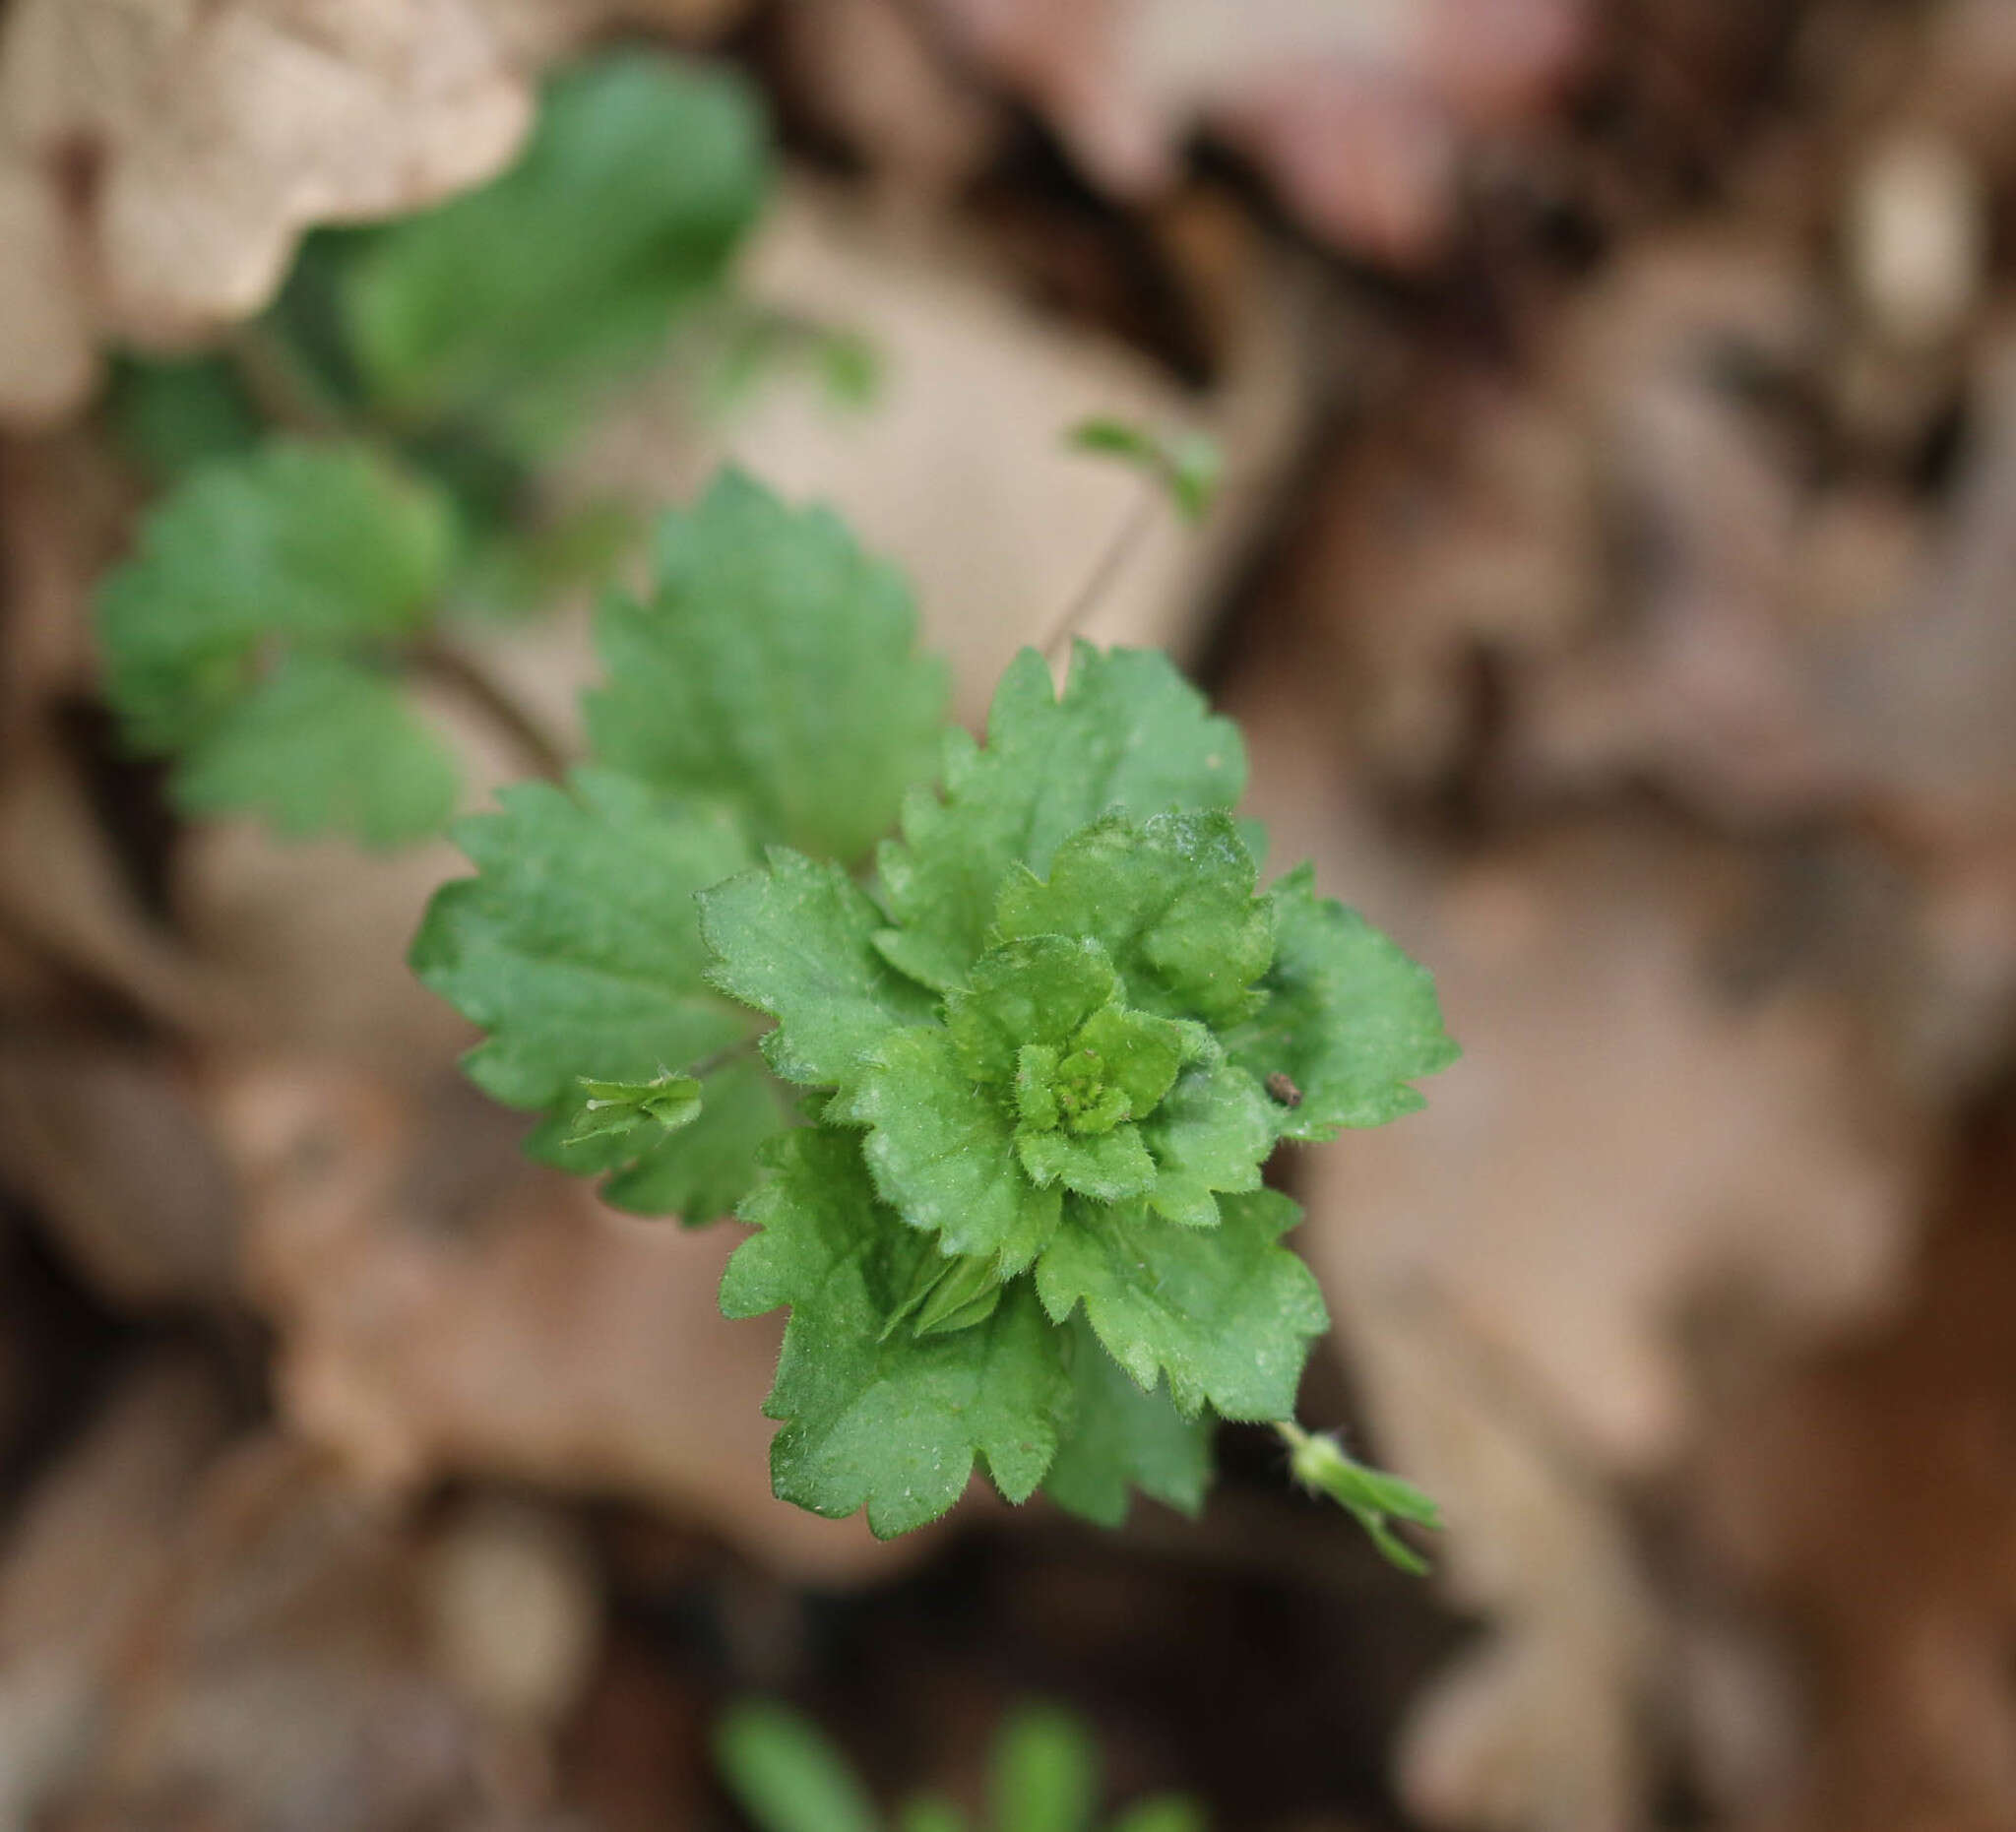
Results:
182 149
444 1305
107 1146
999 525
63 894
83 1558
1868 1505
65 505
1632 1151
1359 113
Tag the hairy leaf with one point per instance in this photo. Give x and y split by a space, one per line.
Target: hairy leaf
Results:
775 667
942 1151
576 948
1171 900
1349 1020
1226 1313
795 938
874 1418
1129 734
1121 1439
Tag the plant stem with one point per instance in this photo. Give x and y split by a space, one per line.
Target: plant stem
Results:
456 669
1113 559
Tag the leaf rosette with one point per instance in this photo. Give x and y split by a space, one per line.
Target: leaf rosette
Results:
1041 1054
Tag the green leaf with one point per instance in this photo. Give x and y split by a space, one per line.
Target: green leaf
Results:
795 938
1032 993
516 301
623 1110
785 1774
577 947
1171 900
1044 1773
1187 465
942 1151
1129 735
1349 1022
176 415
874 1418
775 667
1226 1313
931 1812
323 745
700 1171
324 550
1123 1438
1108 1167
1373 1499
1211 1136
1164 1812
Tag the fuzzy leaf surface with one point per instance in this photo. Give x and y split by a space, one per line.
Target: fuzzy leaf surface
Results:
794 938
577 947
1347 1017
774 667
875 1417
1170 899
1122 1439
942 1151
1129 734
1227 1313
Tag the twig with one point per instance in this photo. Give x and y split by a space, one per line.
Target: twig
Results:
1111 561
456 669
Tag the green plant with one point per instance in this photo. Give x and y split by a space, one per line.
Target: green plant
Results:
1042 1776
361 468
998 1109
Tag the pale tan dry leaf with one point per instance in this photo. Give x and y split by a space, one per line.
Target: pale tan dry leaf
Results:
958 471
110 1151
63 894
184 147
85 1556
443 1305
1634 1151
48 360
66 507
1359 113
279 1673
1867 1505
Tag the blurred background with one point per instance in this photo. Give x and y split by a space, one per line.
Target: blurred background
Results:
1614 573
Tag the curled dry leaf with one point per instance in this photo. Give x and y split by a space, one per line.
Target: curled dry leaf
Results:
157 162
1359 113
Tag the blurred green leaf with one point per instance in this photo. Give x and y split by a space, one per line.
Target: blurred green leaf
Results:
175 415
1188 464
1045 1776
324 745
786 1776
773 667
511 302
247 631
1372 1498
